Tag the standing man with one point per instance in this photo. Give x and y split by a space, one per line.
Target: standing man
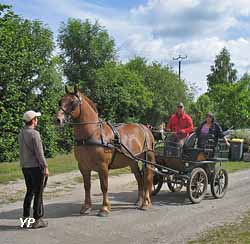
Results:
34 167
181 124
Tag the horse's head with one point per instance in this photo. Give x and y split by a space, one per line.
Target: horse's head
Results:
69 106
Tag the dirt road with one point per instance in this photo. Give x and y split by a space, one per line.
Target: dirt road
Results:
172 218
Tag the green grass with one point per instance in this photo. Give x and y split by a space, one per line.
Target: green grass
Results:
59 164
236 233
66 163
235 166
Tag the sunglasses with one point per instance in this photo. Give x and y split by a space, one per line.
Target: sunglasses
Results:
179 107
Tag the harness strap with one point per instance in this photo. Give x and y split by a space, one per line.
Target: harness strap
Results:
116 142
117 138
93 142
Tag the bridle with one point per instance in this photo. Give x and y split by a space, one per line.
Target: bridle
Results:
72 121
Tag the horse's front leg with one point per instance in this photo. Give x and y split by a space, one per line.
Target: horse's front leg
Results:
103 175
86 174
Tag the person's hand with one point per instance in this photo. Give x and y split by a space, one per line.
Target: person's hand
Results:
181 132
46 171
228 144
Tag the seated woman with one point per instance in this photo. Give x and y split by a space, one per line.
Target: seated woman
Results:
209 130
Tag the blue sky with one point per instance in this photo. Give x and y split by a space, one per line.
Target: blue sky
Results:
160 29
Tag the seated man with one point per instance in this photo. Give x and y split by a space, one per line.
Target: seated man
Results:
181 124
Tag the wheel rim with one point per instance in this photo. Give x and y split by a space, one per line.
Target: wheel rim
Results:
174 185
198 185
219 183
157 183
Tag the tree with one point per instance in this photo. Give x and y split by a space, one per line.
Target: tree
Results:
120 94
234 109
29 79
200 108
222 72
165 86
85 47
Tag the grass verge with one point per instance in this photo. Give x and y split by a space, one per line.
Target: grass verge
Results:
235 166
66 163
59 164
236 233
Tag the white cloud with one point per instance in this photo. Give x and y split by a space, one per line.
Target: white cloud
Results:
162 29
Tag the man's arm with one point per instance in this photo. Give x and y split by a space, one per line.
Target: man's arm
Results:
40 153
190 126
169 124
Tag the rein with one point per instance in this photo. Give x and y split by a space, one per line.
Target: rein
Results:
83 123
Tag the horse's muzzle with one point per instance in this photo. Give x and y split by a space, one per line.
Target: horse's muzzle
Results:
60 122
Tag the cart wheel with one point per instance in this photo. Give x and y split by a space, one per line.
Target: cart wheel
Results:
197 185
219 183
174 185
157 183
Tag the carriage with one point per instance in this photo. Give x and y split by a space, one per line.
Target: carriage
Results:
101 147
189 166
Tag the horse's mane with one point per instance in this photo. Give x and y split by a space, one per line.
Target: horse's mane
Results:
91 103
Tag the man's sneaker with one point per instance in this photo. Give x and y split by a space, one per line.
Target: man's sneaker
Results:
39 223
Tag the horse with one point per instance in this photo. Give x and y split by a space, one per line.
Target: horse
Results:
98 149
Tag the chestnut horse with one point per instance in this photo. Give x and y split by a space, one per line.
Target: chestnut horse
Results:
96 149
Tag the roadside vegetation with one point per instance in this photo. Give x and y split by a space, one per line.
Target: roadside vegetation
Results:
66 163
139 90
59 164
235 233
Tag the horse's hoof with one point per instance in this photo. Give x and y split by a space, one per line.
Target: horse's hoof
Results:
144 207
103 214
138 203
85 211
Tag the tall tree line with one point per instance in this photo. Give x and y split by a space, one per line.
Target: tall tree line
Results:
31 77
227 96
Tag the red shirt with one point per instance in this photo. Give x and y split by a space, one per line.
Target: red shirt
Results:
183 123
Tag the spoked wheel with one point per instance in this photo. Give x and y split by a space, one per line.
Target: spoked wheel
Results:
174 184
197 185
157 183
219 183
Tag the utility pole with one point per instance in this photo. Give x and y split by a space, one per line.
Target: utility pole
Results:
180 58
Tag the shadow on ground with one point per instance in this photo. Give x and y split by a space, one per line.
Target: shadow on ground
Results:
119 201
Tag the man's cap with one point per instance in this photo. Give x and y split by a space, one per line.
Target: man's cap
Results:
180 104
29 115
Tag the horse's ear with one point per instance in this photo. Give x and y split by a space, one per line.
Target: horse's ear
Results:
66 89
75 88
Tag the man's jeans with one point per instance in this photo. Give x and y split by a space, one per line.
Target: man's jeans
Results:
34 178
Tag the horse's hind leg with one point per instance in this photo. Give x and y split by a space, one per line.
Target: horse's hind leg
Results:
148 181
138 176
86 174
103 175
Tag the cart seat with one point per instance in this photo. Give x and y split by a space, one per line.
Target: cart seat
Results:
192 153
190 141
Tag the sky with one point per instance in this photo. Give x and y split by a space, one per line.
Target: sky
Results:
160 30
